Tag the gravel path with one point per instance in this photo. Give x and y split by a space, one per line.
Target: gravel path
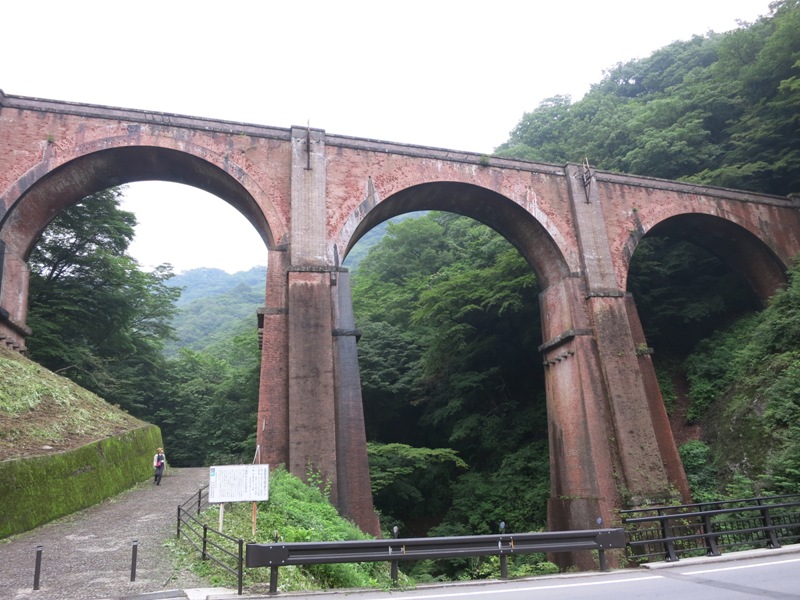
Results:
87 555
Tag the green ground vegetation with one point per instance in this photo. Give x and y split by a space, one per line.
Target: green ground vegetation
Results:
744 388
301 512
61 447
44 413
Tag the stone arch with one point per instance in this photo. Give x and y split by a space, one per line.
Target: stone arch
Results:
542 247
52 191
531 238
731 242
53 185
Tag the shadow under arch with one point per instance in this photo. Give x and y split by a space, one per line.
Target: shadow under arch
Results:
69 183
737 247
500 213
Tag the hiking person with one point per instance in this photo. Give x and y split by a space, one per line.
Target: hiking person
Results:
159 462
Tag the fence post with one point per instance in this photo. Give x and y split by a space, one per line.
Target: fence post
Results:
178 535
205 542
711 539
773 538
134 552
37 570
395 529
503 559
199 497
666 532
240 567
273 580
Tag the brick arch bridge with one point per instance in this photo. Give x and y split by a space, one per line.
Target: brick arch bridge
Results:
311 195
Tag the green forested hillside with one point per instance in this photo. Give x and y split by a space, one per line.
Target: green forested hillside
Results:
719 109
745 390
199 284
215 305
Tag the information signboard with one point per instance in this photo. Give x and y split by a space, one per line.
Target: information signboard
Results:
238 483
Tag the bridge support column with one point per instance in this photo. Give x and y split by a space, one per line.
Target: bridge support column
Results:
663 430
312 413
644 448
355 491
583 460
272 429
14 281
644 476
610 441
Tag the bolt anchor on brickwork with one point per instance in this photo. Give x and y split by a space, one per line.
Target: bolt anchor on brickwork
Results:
308 146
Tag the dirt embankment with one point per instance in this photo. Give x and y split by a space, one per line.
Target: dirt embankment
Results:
43 413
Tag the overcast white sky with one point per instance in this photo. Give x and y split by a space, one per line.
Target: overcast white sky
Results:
455 74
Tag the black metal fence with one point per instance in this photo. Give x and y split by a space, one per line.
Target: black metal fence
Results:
225 551
709 528
197 502
404 549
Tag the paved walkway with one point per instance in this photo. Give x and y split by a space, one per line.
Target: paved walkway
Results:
87 555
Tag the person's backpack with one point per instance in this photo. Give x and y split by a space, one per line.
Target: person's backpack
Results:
160 461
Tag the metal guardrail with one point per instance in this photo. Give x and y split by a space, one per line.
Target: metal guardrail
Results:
201 536
311 553
661 532
667 532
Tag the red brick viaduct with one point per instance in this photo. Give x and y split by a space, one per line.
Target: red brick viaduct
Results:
312 195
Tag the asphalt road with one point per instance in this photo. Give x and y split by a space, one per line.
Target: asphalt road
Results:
87 555
760 574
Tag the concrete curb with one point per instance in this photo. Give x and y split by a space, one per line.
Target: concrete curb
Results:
730 557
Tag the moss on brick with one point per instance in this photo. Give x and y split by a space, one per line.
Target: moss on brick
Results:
39 489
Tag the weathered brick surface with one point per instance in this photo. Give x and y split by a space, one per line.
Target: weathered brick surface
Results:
311 196
355 491
312 412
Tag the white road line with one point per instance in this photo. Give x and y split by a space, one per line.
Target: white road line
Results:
534 589
766 564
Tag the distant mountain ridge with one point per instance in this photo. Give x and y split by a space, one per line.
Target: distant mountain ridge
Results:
215 305
203 282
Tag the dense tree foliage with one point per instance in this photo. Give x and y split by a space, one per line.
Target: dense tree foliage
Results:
96 317
744 386
208 411
101 321
719 109
449 311
412 485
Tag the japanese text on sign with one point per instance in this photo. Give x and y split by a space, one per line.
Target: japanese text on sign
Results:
238 483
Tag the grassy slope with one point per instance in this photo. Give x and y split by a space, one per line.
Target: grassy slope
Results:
42 413
61 447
